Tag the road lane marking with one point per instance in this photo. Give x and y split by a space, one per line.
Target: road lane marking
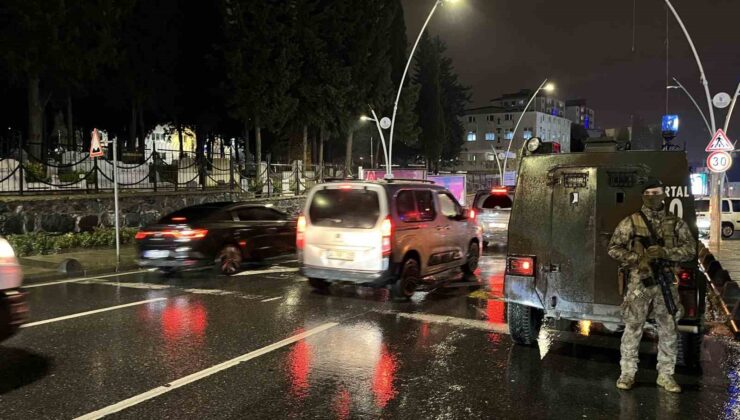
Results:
155 392
268 271
133 285
51 283
451 320
271 299
96 311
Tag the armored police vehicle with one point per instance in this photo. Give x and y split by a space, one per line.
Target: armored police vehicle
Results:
566 210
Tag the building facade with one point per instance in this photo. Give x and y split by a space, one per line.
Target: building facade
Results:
577 111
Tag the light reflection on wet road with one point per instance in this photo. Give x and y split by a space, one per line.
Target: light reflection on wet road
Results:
439 356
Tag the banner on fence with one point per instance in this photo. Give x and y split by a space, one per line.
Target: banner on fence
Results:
377 174
454 183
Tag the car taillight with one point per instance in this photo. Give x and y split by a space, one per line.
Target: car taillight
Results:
472 214
300 236
386 230
520 266
177 234
499 191
686 278
141 235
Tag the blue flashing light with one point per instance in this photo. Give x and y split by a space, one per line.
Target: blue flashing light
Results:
669 126
586 122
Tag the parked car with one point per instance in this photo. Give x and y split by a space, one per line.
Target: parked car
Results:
220 234
730 216
492 211
397 233
13 307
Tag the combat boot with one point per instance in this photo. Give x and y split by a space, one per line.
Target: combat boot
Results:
667 382
625 381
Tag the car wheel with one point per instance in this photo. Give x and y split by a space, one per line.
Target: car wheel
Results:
727 230
318 284
471 263
229 260
405 286
524 323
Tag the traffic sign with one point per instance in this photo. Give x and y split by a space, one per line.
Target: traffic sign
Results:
719 161
95 149
720 142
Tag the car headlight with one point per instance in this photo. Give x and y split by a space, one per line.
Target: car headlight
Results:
703 224
533 144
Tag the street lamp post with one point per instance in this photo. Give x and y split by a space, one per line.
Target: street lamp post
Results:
548 87
696 104
388 173
382 137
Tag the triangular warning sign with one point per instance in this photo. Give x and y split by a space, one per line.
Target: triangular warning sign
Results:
95 149
720 141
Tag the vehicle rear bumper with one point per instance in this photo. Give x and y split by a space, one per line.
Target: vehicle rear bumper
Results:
379 278
184 259
13 311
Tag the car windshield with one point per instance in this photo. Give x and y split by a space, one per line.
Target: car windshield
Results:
701 206
493 201
350 208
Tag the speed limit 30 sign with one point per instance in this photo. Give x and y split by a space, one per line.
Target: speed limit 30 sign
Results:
719 161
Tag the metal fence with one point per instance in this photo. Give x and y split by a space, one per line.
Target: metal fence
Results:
67 172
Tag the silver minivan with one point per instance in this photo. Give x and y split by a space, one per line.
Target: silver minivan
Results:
398 233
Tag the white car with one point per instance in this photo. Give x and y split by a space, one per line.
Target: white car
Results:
730 216
13 308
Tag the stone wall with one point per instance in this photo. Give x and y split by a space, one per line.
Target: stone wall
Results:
86 212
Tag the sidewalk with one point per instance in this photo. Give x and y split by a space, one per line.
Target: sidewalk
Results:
93 261
729 257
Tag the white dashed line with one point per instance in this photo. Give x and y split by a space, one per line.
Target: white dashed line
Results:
153 393
451 320
271 299
268 271
96 311
51 283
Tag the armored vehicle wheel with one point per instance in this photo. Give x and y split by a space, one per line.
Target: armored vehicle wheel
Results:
689 350
524 323
406 284
727 230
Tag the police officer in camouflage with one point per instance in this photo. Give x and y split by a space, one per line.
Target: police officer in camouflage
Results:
630 245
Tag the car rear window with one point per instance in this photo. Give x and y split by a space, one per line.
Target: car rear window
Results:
350 208
492 201
701 206
189 214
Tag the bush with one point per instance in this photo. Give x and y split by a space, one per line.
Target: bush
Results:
35 172
44 243
71 177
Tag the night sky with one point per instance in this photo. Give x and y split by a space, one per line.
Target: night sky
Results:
585 47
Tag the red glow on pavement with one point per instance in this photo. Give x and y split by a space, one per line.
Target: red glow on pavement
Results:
342 404
299 360
425 330
385 373
496 285
182 321
495 311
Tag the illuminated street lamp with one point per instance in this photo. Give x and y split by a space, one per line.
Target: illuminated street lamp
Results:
380 124
547 87
388 173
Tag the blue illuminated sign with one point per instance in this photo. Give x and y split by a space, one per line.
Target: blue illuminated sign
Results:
670 126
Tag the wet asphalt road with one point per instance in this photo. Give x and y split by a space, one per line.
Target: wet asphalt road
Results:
264 345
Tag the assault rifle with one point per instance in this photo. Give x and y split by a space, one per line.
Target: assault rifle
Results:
662 270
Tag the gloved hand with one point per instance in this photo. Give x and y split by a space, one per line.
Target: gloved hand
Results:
655 252
643 266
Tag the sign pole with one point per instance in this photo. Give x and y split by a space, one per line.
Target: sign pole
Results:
115 201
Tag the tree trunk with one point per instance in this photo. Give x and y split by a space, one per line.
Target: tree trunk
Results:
314 151
305 148
71 141
348 155
35 116
132 128
257 141
180 140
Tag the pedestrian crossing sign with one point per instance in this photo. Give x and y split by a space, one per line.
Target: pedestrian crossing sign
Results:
95 149
720 142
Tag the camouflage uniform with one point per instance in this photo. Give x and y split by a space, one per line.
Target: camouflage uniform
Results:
625 247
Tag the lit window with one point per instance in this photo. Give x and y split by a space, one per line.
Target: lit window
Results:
527 133
509 134
490 136
472 136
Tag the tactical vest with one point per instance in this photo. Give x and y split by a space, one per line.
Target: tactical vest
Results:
641 234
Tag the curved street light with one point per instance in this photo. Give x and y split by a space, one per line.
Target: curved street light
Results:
547 87
388 173
698 108
382 137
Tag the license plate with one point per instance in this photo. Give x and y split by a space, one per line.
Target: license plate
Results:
341 255
156 254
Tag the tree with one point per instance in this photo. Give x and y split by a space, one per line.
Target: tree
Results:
257 53
455 97
578 137
429 106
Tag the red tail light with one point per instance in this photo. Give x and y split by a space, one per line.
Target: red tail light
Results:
471 214
520 266
141 235
300 236
499 191
177 234
686 278
386 230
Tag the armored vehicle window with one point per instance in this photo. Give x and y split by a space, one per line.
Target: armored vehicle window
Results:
425 204
701 205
